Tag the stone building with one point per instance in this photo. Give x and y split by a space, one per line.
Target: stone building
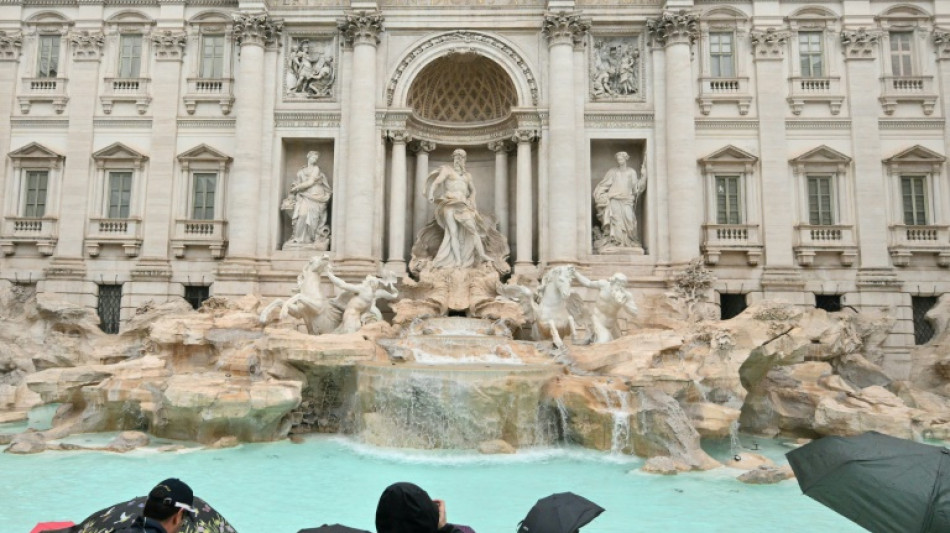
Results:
159 148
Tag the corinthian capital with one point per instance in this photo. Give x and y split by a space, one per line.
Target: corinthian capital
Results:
361 27
769 44
672 28
87 45
565 28
941 43
859 43
169 45
257 29
10 45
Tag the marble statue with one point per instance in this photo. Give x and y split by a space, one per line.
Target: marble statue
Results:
558 310
615 200
458 236
360 300
311 75
615 69
319 313
612 298
307 203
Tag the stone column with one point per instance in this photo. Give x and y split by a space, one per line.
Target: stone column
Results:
780 278
941 40
11 44
676 32
420 206
66 272
524 221
860 51
501 184
562 30
252 32
397 203
361 30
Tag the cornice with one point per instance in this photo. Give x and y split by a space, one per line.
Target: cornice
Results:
911 124
818 124
726 124
303 119
17 123
144 123
618 120
210 123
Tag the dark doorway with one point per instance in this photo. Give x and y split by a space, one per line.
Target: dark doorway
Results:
731 304
197 294
828 302
110 307
923 330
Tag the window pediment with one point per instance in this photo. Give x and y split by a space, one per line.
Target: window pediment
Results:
729 157
204 153
118 154
916 158
35 154
822 158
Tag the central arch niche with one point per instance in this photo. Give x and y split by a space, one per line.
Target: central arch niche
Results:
462 89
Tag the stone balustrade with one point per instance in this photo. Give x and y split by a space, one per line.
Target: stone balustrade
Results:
43 232
211 234
126 232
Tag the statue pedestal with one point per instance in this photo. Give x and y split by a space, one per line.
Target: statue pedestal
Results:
443 291
619 250
322 244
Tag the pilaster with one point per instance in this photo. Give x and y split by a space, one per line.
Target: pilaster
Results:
563 30
524 221
860 48
501 148
10 47
397 202
420 206
676 32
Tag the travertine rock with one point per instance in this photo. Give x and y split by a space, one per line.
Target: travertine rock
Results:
26 443
711 420
127 441
749 461
766 475
224 442
870 409
493 447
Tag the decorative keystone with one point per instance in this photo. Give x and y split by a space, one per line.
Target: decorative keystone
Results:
673 28
361 27
256 29
565 28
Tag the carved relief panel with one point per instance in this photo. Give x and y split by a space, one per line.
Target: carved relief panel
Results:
616 71
310 67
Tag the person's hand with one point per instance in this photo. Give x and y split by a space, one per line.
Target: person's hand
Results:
440 504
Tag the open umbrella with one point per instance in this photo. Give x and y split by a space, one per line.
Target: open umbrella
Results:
335 528
882 483
104 521
564 512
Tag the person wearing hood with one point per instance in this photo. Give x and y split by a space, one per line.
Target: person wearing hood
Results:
406 508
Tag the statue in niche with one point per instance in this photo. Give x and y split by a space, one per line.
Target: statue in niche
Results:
458 236
615 200
310 74
360 300
612 298
307 204
615 68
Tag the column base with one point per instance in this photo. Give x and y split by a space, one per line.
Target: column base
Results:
397 267
66 268
356 267
783 283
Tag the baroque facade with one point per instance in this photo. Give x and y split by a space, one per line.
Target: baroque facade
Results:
167 148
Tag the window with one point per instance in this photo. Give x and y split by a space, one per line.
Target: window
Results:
923 329
110 307
37 182
828 302
914 200
721 62
728 203
48 57
821 200
810 54
212 56
730 305
197 294
130 55
901 55
120 194
203 201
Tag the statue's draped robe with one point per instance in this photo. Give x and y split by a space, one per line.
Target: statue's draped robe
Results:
310 209
616 204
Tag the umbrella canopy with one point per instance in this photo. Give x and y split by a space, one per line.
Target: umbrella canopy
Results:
564 512
335 528
120 514
882 483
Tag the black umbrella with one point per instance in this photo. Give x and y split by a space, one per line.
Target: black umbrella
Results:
883 484
121 514
335 528
564 512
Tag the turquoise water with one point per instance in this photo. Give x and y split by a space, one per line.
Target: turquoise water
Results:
283 487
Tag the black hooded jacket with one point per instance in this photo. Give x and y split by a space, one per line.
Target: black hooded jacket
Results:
406 508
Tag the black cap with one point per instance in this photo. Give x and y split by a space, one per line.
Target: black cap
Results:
172 489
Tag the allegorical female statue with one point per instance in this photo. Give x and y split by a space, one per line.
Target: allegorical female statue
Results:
458 236
615 199
308 201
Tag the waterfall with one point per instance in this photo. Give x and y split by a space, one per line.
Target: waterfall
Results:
735 445
617 403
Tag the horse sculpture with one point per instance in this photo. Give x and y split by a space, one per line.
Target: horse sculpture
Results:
554 310
319 313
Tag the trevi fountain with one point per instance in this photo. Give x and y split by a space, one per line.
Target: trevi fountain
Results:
461 354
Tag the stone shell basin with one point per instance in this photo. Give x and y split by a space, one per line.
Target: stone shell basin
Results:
461 340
